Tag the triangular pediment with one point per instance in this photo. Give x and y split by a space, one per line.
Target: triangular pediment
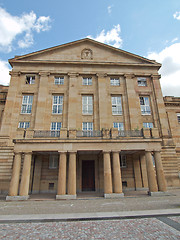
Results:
84 50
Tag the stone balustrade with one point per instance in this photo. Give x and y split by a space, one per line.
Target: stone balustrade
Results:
112 133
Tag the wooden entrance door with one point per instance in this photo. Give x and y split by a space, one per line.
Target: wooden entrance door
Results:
88 175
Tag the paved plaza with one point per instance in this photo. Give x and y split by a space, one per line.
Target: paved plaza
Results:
144 228
136 216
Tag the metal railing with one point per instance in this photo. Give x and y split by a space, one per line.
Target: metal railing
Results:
46 134
130 133
89 133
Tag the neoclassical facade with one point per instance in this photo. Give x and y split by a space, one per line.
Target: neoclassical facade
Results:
85 117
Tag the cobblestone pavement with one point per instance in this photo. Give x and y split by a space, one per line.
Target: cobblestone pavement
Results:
143 228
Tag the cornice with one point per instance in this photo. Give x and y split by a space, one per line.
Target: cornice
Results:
87 63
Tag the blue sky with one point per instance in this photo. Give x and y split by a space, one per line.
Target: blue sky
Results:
147 28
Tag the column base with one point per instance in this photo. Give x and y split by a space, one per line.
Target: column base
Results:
158 194
65 197
17 198
113 195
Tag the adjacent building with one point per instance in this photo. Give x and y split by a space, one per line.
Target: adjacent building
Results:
87 117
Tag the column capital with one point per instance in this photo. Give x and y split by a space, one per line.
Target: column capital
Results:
72 152
72 75
116 151
28 153
155 76
129 75
101 75
16 153
62 152
14 74
44 74
106 151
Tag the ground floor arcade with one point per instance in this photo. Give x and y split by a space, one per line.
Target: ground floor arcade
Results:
69 173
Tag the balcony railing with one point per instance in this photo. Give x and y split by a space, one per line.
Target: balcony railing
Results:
46 134
130 133
89 134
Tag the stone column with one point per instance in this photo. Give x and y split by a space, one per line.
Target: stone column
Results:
132 102
144 171
137 172
14 184
73 98
72 175
107 174
61 190
160 111
159 172
42 117
24 186
151 173
117 181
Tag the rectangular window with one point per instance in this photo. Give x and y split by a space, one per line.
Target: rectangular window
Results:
142 81
145 106
116 105
87 81
58 80
123 163
87 128
178 117
53 161
27 104
55 129
30 79
57 104
115 82
24 125
118 125
87 104
148 125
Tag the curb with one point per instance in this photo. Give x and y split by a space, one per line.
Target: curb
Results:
87 216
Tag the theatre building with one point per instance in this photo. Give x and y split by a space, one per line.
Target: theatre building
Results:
85 117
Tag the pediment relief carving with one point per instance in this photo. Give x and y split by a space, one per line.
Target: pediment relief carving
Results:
87 53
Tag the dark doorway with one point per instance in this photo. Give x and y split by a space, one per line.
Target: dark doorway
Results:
88 175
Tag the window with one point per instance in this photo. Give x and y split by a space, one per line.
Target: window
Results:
55 129
148 125
59 80
87 128
145 106
115 82
30 79
53 161
87 81
57 104
118 125
24 125
27 104
87 104
123 161
116 105
142 81
178 117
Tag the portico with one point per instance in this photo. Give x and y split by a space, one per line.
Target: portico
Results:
86 171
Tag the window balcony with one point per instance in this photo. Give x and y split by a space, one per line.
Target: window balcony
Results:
89 133
130 133
46 134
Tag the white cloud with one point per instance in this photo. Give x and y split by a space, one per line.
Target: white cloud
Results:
25 25
112 37
176 15
174 40
109 8
170 70
4 70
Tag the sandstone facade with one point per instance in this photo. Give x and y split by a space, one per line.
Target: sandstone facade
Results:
86 117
